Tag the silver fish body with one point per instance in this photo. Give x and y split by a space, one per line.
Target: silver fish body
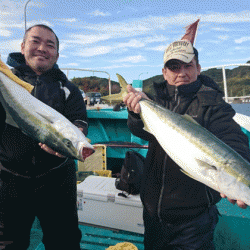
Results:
42 122
199 153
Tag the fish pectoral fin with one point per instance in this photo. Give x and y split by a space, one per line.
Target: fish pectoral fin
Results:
9 120
206 165
189 175
189 118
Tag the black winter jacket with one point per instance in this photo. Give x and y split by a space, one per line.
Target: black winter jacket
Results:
19 153
166 192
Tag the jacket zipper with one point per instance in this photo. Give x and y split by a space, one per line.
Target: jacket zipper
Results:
177 101
162 188
37 82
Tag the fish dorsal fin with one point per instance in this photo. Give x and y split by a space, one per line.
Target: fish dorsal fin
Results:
189 118
5 70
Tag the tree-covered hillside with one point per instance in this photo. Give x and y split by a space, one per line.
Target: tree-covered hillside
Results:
96 84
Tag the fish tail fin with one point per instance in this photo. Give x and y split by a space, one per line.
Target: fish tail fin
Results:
118 97
5 70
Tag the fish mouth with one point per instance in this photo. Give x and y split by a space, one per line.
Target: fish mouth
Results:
86 152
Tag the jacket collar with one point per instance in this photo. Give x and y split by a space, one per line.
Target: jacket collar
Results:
164 90
17 61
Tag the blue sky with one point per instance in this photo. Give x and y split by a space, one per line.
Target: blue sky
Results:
129 36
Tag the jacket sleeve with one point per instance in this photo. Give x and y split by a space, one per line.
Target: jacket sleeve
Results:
226 129
3 118
75 109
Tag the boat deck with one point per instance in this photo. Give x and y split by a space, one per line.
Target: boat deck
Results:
93 238
232 232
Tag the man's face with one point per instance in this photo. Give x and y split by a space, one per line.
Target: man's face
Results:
40 50
179 73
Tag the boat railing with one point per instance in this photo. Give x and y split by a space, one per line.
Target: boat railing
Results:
223 67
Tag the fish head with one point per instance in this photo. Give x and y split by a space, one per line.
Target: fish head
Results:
70 138
81 150
85 153
84 150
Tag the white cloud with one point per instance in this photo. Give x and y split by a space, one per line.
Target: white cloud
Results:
131 65
31 23
132 59
71 65
86 39
223 37
5 33
211 41
156 38
241 48
241 60
243 39
132 43
9 46
62 46
95 51
217 17
5 13
158 48
62 55
99 13
170 24
220 29
68 20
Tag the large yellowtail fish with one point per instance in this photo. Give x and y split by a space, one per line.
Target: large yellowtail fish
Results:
38 120
199 153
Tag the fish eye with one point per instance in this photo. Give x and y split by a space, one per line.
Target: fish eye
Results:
67 142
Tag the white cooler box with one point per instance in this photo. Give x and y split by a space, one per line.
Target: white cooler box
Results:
99 204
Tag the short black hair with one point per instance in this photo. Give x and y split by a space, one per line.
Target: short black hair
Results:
45 27
196 56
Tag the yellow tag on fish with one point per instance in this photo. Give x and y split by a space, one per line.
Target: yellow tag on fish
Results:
5 70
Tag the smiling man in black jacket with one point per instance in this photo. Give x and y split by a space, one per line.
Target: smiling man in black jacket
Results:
35 180
179 212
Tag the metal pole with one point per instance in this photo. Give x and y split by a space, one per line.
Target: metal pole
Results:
141 74
25 7
225 83
110 88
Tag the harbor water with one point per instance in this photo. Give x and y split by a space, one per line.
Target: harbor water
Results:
242 108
